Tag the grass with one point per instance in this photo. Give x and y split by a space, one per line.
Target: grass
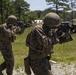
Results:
65 52
62 52
19 48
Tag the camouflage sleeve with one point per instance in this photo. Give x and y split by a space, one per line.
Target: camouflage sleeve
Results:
28 39
46 42
8 32
43 39
16 29
38 36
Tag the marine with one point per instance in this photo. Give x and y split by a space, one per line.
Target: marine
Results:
7 36
41 42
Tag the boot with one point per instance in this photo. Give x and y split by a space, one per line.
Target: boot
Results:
1 73
2 67
9 74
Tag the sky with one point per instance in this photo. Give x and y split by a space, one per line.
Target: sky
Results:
37 4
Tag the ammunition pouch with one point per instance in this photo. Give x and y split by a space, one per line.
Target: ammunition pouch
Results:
27 65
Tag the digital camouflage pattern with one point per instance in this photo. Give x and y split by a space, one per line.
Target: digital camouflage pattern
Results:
40 46
41 66
6 50
40 42
7 35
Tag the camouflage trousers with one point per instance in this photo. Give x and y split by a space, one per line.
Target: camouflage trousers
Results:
8 64
41 67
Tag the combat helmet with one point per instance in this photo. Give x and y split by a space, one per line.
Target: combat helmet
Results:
11 19
51 19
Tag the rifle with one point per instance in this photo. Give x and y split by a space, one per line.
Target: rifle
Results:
19 24
64 31
22 26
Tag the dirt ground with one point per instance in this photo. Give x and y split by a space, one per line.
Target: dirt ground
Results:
57 69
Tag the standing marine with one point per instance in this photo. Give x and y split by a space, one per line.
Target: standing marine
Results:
40 42
7 36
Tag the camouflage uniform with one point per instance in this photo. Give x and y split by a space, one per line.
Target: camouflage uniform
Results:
6 37
40 45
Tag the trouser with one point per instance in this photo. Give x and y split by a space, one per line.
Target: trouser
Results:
8 63
41 66
1 72
27 65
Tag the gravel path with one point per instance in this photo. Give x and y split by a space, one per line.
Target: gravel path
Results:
57 69
64 69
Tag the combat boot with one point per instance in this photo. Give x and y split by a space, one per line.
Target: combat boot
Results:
9 74
1 73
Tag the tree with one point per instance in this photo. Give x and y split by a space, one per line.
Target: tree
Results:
13 7
1 11
31 16
21 7
58 4
72 5
5 9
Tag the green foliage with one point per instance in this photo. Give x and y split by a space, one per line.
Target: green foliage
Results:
57 4
65 52
15 7
30 16
21 7
20 50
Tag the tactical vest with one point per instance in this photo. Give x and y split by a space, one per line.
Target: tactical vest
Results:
4 37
